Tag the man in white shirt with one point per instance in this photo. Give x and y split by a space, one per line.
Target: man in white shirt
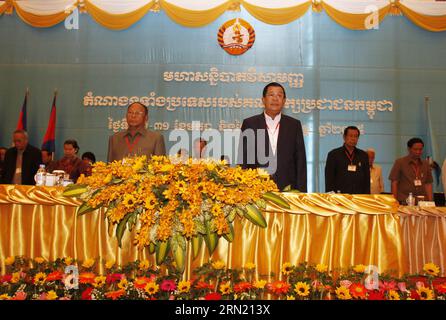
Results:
376 176
275 142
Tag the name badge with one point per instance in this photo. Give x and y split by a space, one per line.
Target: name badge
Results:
351 168
417 183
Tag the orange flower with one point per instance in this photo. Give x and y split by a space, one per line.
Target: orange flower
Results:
201 285
358 291
115 294
141 282
278 287
86 277
54 276
242 287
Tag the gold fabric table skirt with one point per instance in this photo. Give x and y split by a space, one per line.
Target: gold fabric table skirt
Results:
38 221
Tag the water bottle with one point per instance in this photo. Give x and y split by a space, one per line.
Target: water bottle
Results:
40 176
410 200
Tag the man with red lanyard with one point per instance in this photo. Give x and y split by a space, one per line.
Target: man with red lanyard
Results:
136 140
347 168
275 142
410 174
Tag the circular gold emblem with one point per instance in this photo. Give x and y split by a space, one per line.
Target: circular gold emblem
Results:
236 36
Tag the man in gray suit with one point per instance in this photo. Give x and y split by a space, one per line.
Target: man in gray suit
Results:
136 140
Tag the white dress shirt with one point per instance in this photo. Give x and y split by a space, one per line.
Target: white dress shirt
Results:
273 126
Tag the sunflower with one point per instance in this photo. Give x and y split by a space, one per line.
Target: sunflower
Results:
88 263
184 286
51 295
302 289
393 295
250 266
151 288
290 297
39 278
259 284
99 281
144 265
225 288
425 293
359 268
343 293
9 261
129 201
109 264
321 268
218 265
39 260
123 284
431 269
287 268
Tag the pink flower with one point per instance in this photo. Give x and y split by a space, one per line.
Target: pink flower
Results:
419 284
387 285
168 285
42 296
6 278
402 286
171 297
114 277
315 284
345 283
64 298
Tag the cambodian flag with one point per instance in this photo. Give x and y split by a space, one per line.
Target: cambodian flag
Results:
49 140
21 124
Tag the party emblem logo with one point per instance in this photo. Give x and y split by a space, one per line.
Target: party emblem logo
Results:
236 36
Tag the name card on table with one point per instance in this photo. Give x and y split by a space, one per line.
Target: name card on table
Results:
426 204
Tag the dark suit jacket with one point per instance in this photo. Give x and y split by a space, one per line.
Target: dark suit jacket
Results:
291 158
32 157
337 176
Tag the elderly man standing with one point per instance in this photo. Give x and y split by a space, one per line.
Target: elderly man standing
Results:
410 174
275 142
21 161
347 168
376 175
136 140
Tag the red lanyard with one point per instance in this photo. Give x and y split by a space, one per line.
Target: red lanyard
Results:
416 170
130 146
277 127
350 156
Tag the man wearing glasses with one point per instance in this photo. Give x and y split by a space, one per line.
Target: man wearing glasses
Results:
136 140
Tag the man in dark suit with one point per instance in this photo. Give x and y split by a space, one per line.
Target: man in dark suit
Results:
21 161
275 142
347 168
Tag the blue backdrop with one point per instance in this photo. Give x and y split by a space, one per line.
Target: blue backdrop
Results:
378 80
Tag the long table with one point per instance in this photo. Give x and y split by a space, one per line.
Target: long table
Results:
337 230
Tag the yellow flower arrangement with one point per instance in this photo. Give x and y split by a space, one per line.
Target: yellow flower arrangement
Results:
431 269
172 201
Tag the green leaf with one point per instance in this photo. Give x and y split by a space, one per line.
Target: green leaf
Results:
162 249
83 209
121 228
230 235
74 190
